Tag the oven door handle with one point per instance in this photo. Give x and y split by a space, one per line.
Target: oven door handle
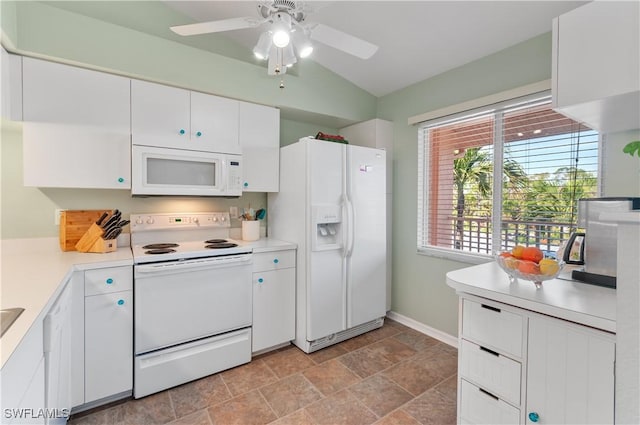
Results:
202 263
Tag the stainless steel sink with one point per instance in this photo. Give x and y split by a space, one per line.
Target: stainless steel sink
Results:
7 317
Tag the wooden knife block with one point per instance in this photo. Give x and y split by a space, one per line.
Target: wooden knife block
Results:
92 241
74 224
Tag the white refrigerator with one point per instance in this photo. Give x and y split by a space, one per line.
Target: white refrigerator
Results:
332 203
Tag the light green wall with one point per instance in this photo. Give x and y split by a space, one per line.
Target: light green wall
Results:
419 288
41 30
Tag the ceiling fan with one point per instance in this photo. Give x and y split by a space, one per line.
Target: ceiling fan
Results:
287 28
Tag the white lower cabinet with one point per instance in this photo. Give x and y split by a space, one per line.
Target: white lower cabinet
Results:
518 366
274 279
108 337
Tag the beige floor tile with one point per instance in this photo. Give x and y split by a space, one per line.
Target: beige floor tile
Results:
331 376
290 394
201 417
432 408
341 408
398 417
416 340
328 353
248 377
392 350
413 376
449 387
246 409
357 342
198 395
439 360
288 362
365 362
380 394
299 417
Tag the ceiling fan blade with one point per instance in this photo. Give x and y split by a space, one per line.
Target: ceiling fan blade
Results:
217 26
343 41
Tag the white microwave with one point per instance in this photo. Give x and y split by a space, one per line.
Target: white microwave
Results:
165 171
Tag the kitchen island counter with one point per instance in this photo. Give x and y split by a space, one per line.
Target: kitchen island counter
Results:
32 277
570 300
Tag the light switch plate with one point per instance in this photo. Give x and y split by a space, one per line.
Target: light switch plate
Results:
233 212
56 218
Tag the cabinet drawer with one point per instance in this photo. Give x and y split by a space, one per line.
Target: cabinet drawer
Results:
478 406
492 327
274 260
496 373
104 281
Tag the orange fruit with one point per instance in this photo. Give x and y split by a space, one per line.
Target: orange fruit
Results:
506 254
531 253
517 251
549 266
528 267
511 262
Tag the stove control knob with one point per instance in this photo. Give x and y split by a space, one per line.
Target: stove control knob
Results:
139 220
149 220
215 219
222 218
195 220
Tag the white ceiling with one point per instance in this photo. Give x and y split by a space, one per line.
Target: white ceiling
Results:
416 39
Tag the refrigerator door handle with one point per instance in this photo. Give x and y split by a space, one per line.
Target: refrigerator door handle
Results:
350 227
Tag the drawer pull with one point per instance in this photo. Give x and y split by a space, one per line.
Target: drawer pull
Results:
488 393
109 281
276 261
534 417
488 307
490 351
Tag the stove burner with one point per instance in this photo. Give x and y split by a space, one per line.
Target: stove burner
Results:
221 245
155 246
216 241
160 251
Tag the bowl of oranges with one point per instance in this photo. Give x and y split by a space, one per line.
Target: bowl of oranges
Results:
528 263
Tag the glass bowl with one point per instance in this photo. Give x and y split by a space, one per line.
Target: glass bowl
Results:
513 267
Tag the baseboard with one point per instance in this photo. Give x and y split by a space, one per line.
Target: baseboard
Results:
421 327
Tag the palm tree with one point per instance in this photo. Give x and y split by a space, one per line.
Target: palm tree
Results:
473 172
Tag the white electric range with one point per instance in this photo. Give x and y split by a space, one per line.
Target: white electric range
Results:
192 298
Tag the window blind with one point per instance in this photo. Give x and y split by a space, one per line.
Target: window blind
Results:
509 175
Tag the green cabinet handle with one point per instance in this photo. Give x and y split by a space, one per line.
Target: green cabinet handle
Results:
198 134
181 131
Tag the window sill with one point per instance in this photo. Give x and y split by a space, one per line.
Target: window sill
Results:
449 254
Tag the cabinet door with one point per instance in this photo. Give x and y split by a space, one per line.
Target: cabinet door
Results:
61 155
570 374
260 143
273 308
160 115
108 345
57 93
214 124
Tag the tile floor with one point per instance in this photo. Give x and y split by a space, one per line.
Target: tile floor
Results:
393 375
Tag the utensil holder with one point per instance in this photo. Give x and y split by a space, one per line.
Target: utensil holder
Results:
250 230
92 241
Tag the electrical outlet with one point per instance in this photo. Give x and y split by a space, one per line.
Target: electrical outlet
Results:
233 212
56 218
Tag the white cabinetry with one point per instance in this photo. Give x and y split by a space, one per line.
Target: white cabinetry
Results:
516 366
77 126
108 334
22 380
260 143
176 118
11 86
274 279
378 133
596 64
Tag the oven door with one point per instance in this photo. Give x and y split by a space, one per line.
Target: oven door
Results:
163 171
181 301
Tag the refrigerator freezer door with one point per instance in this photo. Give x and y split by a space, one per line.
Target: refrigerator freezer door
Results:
326 289
366 262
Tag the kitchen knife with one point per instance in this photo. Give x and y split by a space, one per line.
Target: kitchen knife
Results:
112 220
112 228
102 217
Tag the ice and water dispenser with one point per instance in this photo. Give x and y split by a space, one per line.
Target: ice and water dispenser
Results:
327 223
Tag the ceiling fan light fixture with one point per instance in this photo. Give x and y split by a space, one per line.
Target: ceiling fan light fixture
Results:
261 50
281 30
281 38
288 56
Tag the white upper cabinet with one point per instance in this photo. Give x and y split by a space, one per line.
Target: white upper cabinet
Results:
62 94
166 116
596 65
76 130
260 143
11 86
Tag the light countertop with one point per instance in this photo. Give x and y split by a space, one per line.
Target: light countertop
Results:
33 271
578 302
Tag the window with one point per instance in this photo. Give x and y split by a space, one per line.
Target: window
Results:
544 163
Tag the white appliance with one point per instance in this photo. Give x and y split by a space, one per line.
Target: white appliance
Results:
193 299
332 204
165 171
